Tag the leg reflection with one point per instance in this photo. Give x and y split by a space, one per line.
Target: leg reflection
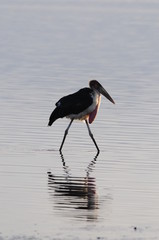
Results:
91 165
74 192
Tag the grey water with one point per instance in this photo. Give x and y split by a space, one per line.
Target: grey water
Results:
53 48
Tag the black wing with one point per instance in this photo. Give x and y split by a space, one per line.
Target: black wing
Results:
72 104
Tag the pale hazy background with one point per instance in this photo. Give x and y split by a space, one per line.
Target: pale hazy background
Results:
49 49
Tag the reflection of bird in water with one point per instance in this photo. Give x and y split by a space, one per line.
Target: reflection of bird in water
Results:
75 192
82 105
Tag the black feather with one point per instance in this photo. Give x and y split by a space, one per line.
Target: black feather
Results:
72 104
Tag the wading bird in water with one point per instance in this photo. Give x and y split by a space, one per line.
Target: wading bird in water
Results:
82 105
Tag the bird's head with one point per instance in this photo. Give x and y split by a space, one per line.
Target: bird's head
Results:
96 86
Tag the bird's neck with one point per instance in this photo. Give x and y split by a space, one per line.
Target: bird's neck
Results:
97 97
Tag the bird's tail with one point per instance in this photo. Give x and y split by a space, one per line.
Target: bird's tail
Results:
54 116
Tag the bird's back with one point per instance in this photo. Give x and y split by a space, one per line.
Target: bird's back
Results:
72 104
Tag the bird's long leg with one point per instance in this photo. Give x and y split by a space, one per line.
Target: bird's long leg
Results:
91 135
66 132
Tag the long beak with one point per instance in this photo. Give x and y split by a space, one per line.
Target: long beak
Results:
105 94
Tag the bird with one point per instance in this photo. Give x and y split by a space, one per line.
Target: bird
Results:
82 105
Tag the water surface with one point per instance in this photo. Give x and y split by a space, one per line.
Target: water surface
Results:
52 49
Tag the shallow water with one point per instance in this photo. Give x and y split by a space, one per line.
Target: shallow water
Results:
52 49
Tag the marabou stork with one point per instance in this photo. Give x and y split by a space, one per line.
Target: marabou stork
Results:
82 105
